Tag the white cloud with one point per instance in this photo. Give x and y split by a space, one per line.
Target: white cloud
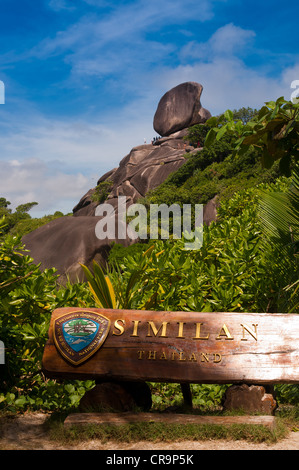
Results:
229 83
290 75
120 33
35 180
228 40
80 143
55 163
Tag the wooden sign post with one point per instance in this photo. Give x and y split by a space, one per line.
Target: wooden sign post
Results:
190 347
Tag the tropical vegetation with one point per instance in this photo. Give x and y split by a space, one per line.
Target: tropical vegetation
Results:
248 261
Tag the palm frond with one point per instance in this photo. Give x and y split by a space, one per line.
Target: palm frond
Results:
100 286
279 216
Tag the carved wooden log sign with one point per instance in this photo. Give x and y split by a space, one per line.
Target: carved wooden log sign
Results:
191 347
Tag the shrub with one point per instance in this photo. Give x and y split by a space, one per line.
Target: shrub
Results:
229 273
28 296
101 191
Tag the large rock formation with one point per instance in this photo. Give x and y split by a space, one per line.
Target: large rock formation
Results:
143 169
68 241
180 107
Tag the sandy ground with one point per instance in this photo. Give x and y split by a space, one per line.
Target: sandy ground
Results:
26 432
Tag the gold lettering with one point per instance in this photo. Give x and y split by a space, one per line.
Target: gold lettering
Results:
181 328
152 355
250 331
225 333
119 327
181 354
140 354
163 356
193 357
135 328
204 357
197 334
152 326
217 357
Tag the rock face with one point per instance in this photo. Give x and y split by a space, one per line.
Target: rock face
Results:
252 399
143 169
66 242
180 107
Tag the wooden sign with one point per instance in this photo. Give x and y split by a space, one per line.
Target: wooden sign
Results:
191 347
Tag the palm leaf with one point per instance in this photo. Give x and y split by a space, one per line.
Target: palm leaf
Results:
100 286
279 214
276 218
294 196
111 292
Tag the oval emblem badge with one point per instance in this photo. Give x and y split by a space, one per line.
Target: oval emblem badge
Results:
78 335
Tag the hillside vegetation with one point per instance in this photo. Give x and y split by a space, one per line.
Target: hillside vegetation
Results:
210 172
248 261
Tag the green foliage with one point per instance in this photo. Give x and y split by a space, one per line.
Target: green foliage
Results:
47 395
20 222
197 134
115 291
100 286
23 226
199 161
23 208
101 191
205 397
287 393
229 273
4 203
12 218
28 297
208 396
209 172
235 270
279 214
274 132
165 395
244 114
238 268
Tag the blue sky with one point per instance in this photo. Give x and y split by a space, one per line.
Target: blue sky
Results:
83 79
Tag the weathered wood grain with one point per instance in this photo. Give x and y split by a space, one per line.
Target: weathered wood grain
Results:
189 347
119 419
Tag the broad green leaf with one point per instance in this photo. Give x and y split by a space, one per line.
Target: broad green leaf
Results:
229 116
271 104
262 112
210 137
111 292
221 132
212 122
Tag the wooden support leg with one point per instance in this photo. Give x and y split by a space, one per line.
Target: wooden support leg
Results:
186 390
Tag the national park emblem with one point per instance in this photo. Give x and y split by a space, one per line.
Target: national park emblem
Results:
78 335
